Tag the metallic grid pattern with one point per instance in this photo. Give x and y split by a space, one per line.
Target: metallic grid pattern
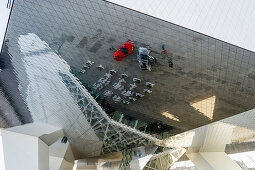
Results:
55 96
127 157
78 31
115 136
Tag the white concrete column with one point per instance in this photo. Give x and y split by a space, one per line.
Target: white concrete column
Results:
213 161
212 137
23 149
61 156
211 141
2 166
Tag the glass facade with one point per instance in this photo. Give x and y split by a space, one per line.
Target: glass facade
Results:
55 49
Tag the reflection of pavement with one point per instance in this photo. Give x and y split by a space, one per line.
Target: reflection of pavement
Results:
85 30
47 97
56 97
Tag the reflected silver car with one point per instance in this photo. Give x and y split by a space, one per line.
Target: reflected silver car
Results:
145 60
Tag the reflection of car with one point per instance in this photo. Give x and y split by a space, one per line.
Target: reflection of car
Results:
145 60
123 51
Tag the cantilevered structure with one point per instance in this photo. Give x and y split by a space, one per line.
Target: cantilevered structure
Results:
67 102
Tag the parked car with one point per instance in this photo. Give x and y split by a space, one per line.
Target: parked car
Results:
123 51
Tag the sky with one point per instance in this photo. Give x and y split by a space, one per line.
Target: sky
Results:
5 8
231 21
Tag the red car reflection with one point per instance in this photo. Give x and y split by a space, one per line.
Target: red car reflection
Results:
123 51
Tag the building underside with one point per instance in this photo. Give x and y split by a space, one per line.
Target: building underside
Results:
57 69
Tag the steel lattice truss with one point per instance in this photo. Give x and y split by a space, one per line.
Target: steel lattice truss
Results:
115 136
178 141
164 160
127 157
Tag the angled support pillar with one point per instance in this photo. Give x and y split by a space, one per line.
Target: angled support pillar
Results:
210 142
23 148
61 156
213 161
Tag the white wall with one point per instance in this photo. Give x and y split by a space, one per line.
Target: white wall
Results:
55 162
66 165
220 161
199 161
1 153
24 152
43 155
213 161
37 129
61 156
4 16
